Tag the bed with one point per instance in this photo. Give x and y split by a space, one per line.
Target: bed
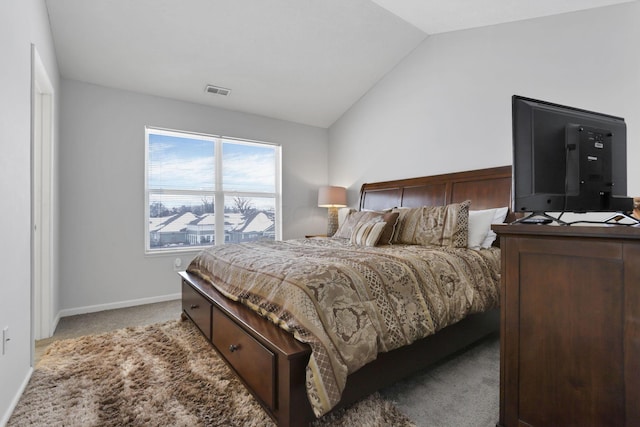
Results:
296 380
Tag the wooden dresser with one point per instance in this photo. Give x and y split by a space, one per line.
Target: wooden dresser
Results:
570 325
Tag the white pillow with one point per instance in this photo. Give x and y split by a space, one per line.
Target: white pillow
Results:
479 226
498 218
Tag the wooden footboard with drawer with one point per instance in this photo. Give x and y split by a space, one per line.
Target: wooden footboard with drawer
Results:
268 360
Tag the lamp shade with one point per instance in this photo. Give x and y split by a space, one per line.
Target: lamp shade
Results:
332 197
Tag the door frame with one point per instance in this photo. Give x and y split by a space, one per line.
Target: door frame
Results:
42 134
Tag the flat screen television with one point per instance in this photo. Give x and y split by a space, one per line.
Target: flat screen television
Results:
567 159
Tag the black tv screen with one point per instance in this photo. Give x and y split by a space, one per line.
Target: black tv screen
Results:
566 159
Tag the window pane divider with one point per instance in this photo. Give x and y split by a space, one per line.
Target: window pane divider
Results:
181 192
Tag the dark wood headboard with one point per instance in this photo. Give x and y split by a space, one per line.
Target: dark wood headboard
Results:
486 188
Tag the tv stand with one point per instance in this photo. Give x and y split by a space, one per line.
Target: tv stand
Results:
570 322
545 218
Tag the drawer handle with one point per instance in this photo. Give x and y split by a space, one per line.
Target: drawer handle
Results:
233 348
194 306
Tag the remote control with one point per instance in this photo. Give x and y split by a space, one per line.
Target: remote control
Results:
536 221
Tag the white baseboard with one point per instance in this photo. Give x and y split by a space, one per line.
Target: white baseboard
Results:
16 398
110 306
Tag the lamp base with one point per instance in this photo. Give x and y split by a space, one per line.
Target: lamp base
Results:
332 221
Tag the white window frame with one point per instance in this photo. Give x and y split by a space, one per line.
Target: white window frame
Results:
218 194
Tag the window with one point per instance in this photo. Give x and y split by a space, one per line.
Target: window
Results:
203 189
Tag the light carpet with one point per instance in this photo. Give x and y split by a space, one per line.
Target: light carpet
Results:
462 391
164 374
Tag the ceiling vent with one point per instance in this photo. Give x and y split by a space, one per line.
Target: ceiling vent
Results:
216 90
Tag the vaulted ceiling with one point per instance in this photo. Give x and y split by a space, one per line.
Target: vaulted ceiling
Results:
305 61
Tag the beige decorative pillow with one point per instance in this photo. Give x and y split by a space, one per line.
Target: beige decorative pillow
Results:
391 219
346 227
434 225
367 233
353 219
343 213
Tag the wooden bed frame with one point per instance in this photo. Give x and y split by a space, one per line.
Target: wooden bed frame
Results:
271 363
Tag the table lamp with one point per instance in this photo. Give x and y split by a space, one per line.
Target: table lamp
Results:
333 198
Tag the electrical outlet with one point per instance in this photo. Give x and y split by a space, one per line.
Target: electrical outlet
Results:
177 264
5 340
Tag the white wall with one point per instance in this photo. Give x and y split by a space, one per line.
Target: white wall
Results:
447 106
22 23
102 261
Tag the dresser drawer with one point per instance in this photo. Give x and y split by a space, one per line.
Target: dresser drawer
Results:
197 308
255 363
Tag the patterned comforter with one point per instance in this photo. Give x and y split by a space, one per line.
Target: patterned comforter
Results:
348 302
